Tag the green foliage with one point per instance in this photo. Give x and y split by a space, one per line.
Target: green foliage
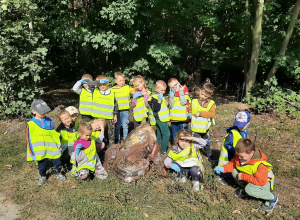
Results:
272 98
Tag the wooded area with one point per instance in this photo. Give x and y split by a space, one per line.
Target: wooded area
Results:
243 43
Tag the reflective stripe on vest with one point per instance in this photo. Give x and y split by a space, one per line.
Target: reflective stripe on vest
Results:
45 142
85 102
103 105
91 155
223 159
163 114
140 110
252 168
122 96
200 124
68 139
178 112
183 158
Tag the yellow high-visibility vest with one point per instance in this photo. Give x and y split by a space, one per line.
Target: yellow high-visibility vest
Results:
103 105
178 112
200 124
68 139
163 114
223 159
140 110
85 102
90 164
183 158
45 142
122 96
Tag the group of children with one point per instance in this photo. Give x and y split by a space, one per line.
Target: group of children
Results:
80 139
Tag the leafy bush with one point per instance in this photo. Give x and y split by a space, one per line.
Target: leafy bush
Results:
272 98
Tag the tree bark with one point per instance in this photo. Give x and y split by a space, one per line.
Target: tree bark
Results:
247 38
256 44
286 39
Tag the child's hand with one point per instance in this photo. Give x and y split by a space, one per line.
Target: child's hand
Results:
60 149
240 176
172 93
189 115
78 148
219 170
34 157
160 96
197 114
115 119
175 167
190 138
137 94
102 81
84 80
181 87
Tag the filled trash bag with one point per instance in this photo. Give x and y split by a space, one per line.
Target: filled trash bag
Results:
130 160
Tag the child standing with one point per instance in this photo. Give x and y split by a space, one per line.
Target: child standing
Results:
159 115
185 158
86 96
68 135
43 142
74 113
105 106
203 112
252 172
179 106
122 93
140 101
85 159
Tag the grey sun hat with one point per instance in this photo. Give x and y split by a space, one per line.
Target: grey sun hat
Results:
40 106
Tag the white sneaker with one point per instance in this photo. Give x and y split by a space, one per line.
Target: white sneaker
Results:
196 185
42 180
182 179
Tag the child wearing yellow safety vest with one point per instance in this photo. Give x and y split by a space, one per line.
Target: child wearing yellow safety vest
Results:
105 106
185 158
202 113
43 142
252 172
74 113
85 159
122 93
68 135
159 115
140 101
82 88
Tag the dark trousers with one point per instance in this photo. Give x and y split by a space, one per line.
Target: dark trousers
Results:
205 136
110 132
193 173
163 135
43 164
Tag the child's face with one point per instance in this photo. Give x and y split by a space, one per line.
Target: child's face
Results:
183 143
103 87
74 117
174 85
66 120
160 89
98 125
120 81
139 86
244 157
203 95
38 116
85 85
85 135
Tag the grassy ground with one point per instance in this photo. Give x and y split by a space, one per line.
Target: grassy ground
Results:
154 196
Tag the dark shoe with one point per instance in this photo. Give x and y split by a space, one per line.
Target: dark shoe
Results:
239 192
164 153
212 159
270 205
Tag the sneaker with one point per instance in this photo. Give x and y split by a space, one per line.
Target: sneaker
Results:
196 185
164 153
222 181
182 179
239 192
42 180
212 159
270 205
60 177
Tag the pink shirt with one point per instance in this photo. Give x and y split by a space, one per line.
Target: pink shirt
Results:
146 97
85 144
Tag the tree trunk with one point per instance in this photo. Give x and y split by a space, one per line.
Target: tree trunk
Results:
247 38
286 39
256 43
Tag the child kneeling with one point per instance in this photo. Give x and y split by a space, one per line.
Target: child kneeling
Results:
252 172
185 158
85 159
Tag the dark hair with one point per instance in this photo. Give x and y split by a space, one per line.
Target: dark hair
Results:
209 88
245 145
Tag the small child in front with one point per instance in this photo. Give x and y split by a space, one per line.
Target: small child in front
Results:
159 115
202 113
252 172
179 103
43 142
82 88
85 159
140 101
185 158
68 135
122 93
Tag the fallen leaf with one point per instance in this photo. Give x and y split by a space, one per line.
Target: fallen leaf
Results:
236 212
29 210
146 215
73 187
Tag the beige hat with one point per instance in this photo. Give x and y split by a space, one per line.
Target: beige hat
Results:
72 110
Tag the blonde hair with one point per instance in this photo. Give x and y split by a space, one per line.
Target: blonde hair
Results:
139 79
87 76
160 83
83 126
184 133
63 112
102 120
171 80
117 74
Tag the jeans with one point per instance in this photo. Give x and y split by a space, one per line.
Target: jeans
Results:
177 126
42 164
123 120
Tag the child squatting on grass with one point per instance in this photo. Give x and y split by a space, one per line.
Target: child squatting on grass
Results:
185 158
85 159
252 173
43 142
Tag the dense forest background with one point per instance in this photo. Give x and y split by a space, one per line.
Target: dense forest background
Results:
252 45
